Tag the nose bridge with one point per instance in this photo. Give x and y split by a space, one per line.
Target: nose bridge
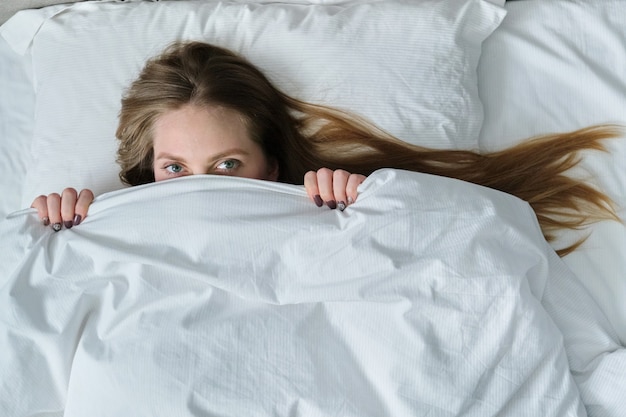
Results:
199 168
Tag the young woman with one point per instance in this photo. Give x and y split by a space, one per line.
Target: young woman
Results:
201 109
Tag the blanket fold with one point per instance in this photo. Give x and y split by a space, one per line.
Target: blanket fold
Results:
227 296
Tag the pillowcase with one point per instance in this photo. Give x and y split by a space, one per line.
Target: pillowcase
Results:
9 7
541 75
409 66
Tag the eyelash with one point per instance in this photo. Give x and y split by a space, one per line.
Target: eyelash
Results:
168 168
236 164
169 172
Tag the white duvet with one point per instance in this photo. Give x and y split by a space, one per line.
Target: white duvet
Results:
216 296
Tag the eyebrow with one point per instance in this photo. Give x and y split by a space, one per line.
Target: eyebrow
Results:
232 151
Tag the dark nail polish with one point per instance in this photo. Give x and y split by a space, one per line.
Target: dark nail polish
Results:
68 224
341 206
332 204
77 219
56 227
318 201
45 221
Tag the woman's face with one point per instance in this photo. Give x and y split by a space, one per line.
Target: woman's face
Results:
207 140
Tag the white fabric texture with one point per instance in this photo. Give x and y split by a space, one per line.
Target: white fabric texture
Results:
9 7
542 75
17 102
537 74
227 296
408 66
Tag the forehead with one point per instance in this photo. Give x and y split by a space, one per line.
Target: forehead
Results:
205 125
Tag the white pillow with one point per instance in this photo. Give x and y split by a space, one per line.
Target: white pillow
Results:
409 66
542 75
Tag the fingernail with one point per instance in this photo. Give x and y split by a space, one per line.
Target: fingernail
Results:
350 200
45 221
341 206
56 227
318 201
77 219
68 224
332 204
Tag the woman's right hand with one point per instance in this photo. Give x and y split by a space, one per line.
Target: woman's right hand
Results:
67 209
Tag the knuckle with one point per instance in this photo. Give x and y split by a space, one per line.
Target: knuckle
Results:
324 171
69 191
87 194
356 179
40 202
340 173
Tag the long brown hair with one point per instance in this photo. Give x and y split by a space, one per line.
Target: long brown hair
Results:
301 136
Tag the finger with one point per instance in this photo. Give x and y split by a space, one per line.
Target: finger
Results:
85 198
325 185
68 204
41 205
310 185
352 187
53 202
340 182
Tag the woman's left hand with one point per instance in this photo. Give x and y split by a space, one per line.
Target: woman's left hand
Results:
336 189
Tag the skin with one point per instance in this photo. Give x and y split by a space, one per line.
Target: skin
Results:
197 140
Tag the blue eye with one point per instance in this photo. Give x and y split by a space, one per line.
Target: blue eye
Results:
228 165
174 168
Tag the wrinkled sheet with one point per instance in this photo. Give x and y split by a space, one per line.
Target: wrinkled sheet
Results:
233 297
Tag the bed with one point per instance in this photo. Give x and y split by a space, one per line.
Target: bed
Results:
218 296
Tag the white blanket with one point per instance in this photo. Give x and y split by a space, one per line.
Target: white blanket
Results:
216 296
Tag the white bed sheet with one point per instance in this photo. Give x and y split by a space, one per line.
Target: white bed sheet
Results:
17 102
246 299
524 97
541 74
